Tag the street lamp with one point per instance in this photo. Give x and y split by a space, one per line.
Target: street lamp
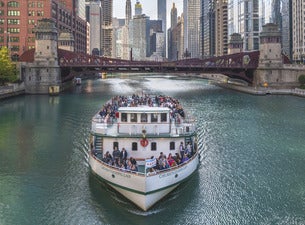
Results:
8 37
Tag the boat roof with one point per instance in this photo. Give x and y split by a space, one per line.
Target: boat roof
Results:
144 109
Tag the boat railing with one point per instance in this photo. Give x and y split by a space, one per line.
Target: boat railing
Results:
145 173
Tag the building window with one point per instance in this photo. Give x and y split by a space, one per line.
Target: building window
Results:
134 146
154 118
1 12
31 13
123 117
115 145
172 145
14 30
1 39
13 13
39 13
163 117
153 146
13 21
39 4
31 4
1 4
133 117
13 4
14 39
32 22
1 21
143 117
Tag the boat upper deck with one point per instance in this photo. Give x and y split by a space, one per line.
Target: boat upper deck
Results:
157 116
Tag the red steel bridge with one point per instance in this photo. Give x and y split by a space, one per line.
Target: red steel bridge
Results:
240 65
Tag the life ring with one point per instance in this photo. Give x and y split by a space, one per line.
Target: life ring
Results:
144 142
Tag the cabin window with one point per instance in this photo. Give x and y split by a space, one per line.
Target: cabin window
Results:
116 145
172 145
143 118
134 146
163 117
154 118
124 117
153 146
133 117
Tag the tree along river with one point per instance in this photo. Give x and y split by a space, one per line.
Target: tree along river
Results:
252 148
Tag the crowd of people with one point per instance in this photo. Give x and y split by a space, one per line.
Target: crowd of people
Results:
111 107
120 159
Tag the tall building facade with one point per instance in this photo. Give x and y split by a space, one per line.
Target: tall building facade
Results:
193 28
286 12
18 18
128 15
298 31
107 28
244 19
162 10
174 16
138 9
207 24
221 28
94 17
140 37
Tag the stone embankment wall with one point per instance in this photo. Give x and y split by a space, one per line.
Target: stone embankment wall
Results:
11 90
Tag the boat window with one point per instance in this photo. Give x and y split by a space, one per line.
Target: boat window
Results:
143 117
134 146
124 117
116 145
172 145
163 117
153 146
154 117
133 117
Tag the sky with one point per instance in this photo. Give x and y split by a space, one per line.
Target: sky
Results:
149 8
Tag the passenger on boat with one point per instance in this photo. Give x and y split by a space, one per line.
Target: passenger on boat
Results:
107 158
177 158
171 160
188 149
185 158
116 153
123 154
181 149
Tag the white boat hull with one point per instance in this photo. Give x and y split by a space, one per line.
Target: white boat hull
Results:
143 190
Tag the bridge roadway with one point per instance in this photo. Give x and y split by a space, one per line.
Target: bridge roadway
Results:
241 65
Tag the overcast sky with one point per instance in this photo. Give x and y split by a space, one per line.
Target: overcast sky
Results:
149 8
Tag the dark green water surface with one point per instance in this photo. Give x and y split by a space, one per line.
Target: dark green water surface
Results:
252 149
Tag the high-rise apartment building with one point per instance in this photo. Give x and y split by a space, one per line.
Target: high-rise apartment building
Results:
174 16
18 18
107 29
128 15
207 25
193 28
162 16
94 17
298 30
286 12
140 37
221 28
244 19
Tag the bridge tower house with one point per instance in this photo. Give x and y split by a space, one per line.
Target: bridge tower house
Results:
271 71
43 75
235 44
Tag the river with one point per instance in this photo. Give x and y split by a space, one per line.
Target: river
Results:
252 148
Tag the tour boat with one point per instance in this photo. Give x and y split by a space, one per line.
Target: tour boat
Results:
131 141
78 81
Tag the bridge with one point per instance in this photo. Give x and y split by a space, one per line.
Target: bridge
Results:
239 65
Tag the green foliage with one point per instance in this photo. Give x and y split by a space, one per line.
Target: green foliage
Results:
302 79
8 72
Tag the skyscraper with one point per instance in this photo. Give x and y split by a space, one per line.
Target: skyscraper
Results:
93 16
107 29
127 12
138 9
162 16
174 17
193 28
221 28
